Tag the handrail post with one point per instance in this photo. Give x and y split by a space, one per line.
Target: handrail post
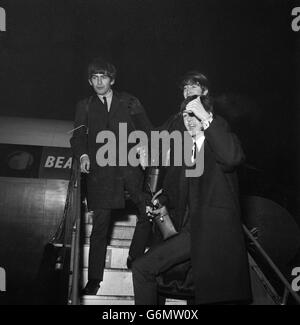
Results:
76 231
73 297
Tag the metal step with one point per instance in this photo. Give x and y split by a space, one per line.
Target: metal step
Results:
107 300
116 287
118 232
116 257
118 220
116 282
120 300
113 242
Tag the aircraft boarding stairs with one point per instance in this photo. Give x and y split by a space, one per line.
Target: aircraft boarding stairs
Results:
116 287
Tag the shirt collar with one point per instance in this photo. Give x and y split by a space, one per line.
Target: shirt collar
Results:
199 141
107 95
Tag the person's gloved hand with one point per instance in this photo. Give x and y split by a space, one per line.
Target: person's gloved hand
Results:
195 106
161 200
144 201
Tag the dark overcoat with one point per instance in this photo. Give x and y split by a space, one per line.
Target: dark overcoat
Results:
219 260
106 185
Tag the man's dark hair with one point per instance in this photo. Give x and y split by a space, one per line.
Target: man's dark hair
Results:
194 77
100 65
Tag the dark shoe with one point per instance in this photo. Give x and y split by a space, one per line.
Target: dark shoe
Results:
91 288
129 262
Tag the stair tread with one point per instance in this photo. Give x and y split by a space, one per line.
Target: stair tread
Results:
123 227
99 297
115 282
108 269
113 242
109 246
118 232
128 220
114 300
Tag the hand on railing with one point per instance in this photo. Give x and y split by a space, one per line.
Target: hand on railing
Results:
85 164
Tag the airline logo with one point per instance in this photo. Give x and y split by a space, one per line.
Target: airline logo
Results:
35 161
55 163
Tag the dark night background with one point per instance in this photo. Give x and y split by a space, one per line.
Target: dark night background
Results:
246 48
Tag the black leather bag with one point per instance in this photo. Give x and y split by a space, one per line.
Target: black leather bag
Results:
164 224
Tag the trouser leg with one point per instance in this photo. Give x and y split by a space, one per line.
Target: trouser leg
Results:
142 232
159 259
98 243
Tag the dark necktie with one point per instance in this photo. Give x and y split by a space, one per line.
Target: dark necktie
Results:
194 151
105 103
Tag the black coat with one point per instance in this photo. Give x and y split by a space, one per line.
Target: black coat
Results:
218 254
105 185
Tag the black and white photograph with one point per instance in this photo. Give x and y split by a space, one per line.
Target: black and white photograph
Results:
149 154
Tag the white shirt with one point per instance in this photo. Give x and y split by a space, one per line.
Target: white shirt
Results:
108 96
199 143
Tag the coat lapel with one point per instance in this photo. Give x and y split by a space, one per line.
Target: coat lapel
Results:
97 115
208 173
115 106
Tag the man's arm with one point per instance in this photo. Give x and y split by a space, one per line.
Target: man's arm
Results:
224 143
79 139
139 116
140 122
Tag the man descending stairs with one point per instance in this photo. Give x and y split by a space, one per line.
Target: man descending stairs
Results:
116 287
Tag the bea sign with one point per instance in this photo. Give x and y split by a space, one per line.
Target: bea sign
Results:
56 163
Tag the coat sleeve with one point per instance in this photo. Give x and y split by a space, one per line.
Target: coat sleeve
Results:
138 115
224 144
79 139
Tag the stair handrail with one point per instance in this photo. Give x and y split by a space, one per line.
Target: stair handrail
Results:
73 298
67 236
287 287
60 238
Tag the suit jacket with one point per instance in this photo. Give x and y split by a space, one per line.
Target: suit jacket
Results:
219 261
105 185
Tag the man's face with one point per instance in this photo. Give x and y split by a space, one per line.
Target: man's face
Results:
192 89
192 124
101 83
